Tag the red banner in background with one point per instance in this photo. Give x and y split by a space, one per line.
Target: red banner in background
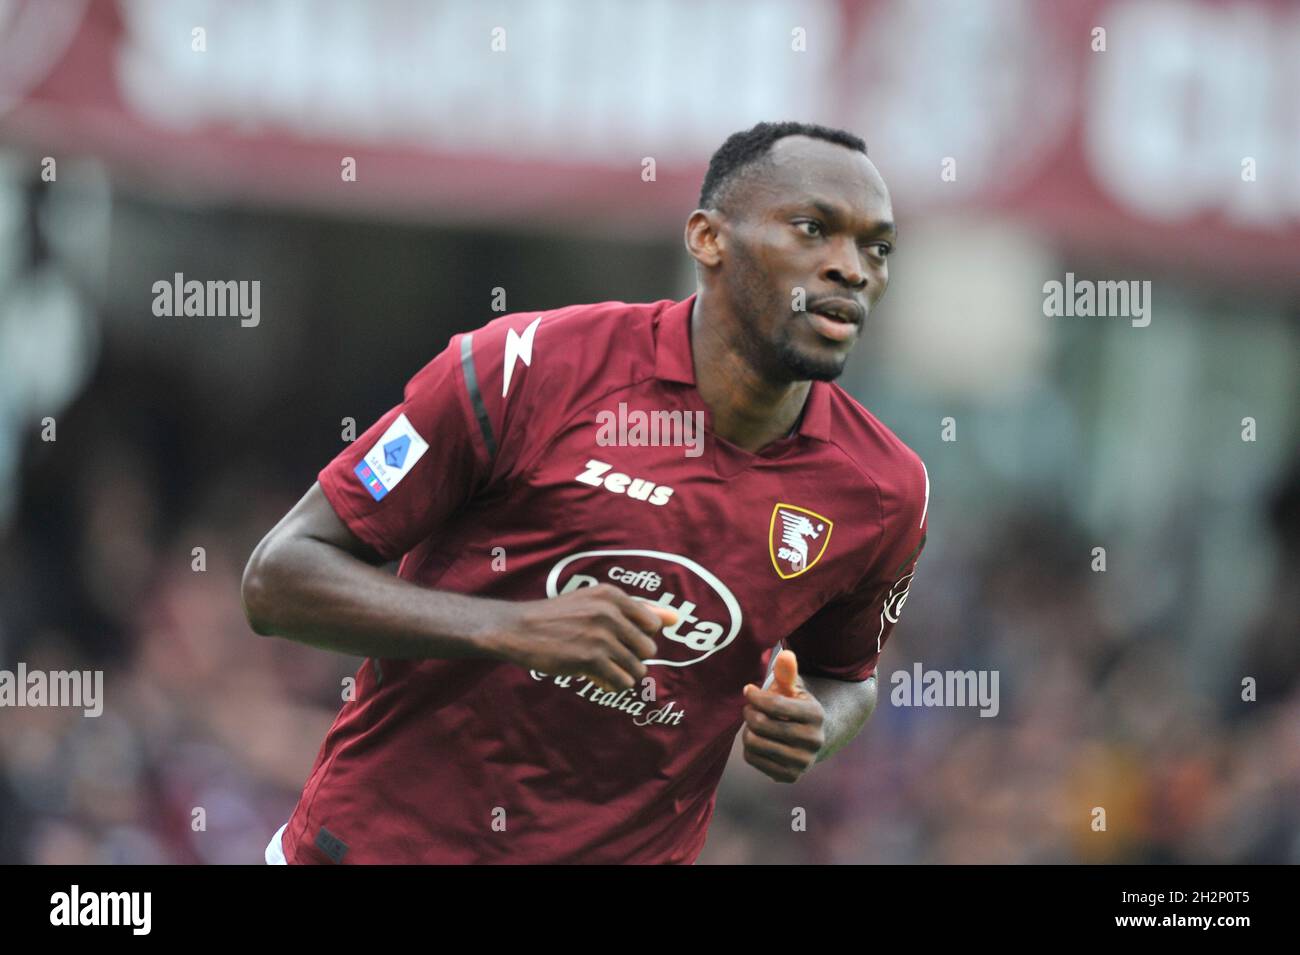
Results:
1166 132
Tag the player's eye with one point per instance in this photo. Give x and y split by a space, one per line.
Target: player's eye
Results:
813 223
881 250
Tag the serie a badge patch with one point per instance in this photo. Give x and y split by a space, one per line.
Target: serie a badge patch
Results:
391 459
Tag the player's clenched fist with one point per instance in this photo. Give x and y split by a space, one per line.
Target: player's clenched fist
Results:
598 632
783 724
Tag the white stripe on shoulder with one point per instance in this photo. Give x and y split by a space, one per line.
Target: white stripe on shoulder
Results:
927 495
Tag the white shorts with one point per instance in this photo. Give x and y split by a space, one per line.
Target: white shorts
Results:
274 850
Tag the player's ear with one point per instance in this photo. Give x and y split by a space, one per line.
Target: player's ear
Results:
702 237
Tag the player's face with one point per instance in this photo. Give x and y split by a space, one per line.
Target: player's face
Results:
821 221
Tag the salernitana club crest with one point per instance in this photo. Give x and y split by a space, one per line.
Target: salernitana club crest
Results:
796 539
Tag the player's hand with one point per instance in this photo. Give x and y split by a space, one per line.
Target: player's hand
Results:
601 633
783 732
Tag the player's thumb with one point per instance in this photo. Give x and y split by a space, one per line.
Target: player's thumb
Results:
667 617
785 673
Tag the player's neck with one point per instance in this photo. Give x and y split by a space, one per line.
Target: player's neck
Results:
746 409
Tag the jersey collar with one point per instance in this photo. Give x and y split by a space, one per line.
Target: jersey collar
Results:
673 362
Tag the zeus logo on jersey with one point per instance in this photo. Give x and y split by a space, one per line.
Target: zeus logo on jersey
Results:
639 489
391 459
518 348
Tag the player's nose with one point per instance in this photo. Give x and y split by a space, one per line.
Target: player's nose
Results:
845 268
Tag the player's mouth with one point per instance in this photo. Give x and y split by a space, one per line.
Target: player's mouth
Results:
837 318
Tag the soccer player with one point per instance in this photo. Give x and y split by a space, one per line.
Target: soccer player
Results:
584 616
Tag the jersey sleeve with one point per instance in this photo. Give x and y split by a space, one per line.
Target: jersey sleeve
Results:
457 432
844 639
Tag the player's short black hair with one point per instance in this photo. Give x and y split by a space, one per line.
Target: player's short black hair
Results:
746 152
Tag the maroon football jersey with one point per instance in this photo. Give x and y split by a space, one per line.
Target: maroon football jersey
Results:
549 451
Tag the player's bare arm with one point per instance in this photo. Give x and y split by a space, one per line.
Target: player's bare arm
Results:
797 721
313 581
848 705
